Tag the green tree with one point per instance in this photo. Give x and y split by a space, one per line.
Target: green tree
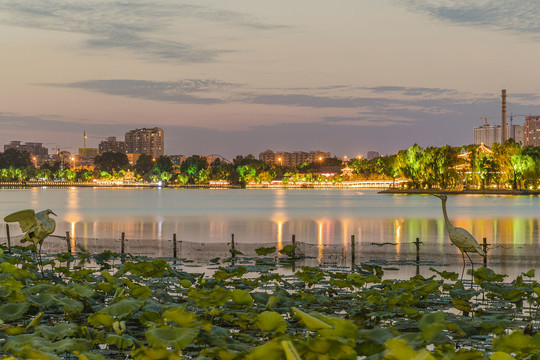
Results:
163 164
111 161
144 164
15 158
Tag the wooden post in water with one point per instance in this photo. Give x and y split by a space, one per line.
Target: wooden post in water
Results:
8 238
294 246
122 243
353 252
417 243
232 247
174 245
68 242
484 246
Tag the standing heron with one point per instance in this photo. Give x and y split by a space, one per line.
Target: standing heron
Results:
36 226
460 237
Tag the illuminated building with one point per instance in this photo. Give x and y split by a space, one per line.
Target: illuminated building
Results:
145 141
292 158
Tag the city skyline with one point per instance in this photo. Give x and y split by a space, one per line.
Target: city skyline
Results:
240 77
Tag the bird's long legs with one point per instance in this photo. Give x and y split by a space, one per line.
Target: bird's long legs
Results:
463 271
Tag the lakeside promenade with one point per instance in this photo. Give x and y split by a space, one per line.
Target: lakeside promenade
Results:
385 186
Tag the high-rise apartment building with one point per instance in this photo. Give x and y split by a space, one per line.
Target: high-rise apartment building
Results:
487 134
111 144
33 148
490 134
145 141
532 131
292 158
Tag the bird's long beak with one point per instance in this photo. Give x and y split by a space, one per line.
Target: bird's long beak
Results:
437 195
53 213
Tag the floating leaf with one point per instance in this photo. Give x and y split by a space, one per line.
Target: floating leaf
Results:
262 251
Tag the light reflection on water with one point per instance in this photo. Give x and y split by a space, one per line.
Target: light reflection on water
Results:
271 217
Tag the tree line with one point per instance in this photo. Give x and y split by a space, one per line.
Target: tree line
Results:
507 165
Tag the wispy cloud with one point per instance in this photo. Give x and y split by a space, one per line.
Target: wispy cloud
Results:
136 25
189 91
519 17
377 106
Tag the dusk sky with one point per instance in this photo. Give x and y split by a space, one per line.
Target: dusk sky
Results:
242 76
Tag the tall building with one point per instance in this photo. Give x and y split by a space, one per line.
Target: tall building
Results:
372 155
487 134
532 131
292 158
33 148
490 134
145 141
517 133
111 144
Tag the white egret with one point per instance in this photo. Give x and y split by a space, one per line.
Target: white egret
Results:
460 237
36 226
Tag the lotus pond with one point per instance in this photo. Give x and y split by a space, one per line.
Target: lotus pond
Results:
114 306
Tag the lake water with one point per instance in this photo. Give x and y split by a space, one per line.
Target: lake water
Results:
322 219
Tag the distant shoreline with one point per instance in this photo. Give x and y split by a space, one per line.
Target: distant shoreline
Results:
460 192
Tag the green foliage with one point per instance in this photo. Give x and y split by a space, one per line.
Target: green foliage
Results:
147 310
111 161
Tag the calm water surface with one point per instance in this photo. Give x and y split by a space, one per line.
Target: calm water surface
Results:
272 216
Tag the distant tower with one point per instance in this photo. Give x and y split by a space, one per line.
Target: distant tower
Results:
503 117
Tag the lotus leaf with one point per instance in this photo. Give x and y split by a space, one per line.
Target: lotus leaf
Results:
486 274
272 302
78 290
241 297
181 317
101 319
89 356
145 353
516 342
499 355
13 311
57 331
70 305
270 321
177 338
121 342
290 351
311 322
398 350
289 251
19 343
265 250
123 308
272 350
14 330
44 299
141 292
209 298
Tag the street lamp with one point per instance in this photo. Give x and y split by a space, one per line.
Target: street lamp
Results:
280 161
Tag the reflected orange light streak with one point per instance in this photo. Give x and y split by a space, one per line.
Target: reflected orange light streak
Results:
72 238
320 244
279 235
